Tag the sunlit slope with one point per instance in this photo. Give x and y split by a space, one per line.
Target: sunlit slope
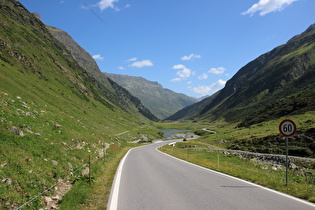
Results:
52 111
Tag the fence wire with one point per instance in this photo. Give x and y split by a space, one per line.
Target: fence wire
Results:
40 194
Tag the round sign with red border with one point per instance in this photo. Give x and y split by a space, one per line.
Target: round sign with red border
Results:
287 128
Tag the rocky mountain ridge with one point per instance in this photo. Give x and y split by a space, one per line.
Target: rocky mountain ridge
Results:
122 97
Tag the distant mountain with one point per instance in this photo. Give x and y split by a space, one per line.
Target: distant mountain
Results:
160 101
155 101
117 93
202 97
278 83
192 111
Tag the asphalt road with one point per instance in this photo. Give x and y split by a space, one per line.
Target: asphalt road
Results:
149 179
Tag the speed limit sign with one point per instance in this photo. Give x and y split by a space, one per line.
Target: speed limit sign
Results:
287 128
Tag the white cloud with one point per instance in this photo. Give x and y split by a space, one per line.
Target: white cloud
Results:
143 63
131 59
202 90
179 66
203 76
104 4
176 79
121 68
219 70
220 83
98 57
267 6
208 90
184 73
190 57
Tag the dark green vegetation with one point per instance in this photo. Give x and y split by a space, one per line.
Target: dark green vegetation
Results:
276 84
53 111
161 102
302 146
270 141
263 137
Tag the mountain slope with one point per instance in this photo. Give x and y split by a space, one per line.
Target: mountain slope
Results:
83 58
53 113
122 97
161 102
278 83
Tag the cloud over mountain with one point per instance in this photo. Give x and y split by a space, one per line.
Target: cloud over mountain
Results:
98 57
210 89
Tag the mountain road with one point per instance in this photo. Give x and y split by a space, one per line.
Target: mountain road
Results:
150 179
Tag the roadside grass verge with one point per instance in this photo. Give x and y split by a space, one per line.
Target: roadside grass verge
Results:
299 186
81 196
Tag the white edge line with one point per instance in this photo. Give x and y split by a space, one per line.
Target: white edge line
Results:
113 199
232 177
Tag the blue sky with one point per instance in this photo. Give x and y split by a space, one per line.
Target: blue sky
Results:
188 46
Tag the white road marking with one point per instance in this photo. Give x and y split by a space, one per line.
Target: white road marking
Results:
113 200
232 177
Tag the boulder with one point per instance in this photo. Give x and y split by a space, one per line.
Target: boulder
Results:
54 162
7 181
58 126
85 171
16 131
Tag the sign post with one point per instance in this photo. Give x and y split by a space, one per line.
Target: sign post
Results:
287 128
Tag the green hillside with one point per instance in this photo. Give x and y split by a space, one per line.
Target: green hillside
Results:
52 111
278 83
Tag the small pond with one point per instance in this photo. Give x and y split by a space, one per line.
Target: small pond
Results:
170 133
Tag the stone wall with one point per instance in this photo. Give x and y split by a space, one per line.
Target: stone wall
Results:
273 159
